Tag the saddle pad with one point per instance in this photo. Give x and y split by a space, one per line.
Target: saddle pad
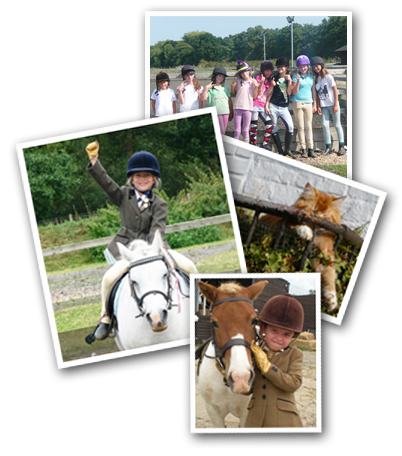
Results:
116 299
110 298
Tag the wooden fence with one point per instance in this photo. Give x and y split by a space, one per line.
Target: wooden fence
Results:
97 273
105 240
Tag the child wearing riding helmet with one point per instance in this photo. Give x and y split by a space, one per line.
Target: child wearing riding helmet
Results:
279 366
326 103
189 90
245 89
163 98
265 88
277 105
219 96
142 212
302 104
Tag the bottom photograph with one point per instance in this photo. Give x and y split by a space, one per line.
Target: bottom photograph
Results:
255 353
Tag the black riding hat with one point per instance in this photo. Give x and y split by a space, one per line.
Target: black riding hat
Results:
187 69
143 161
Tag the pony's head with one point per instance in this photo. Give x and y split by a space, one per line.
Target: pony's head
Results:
149 278
233 322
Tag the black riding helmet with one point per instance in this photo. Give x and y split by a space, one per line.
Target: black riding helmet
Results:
317 61
187 69
143 161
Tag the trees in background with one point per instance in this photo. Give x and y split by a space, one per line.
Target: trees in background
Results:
60 184
308 39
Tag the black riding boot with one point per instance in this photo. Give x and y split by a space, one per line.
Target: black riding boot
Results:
278 144
288 142
102 331
304 153
328 150
311 153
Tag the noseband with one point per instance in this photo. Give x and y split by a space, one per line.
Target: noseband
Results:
139 300
219 352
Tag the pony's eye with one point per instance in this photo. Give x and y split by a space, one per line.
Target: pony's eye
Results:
254 321
215 324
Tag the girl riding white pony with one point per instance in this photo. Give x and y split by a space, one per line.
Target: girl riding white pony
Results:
142 214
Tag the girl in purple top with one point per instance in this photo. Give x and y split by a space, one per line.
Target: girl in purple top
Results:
245 89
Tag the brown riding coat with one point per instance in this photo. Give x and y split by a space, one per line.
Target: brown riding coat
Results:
273 403
135 224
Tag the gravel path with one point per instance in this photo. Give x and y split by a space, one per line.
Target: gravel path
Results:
75 289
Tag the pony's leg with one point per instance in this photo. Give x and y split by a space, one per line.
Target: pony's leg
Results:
218 421
243 417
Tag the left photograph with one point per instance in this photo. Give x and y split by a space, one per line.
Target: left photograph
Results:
121 216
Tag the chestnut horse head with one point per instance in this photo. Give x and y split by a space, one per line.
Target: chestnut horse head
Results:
233 320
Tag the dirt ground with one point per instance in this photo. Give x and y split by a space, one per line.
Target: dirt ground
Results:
306 398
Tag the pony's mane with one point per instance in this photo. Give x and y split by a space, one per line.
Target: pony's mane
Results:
231 288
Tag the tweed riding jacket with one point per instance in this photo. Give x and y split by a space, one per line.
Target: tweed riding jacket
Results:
273 403
136 224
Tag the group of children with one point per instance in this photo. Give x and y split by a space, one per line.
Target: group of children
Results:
267 97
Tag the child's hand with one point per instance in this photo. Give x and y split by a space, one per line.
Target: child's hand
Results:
319 110
267 110
314 108
181 86
335 110
262 79
298 77
234 81
210 85
260 357
92 150
287 77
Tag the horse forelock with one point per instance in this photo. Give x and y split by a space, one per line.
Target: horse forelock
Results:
231 288
141 249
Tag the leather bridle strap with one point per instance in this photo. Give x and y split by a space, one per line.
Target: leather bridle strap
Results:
228 300
219 352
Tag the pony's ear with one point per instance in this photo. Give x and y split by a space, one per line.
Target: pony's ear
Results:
255 290
124 251
158 241
209 291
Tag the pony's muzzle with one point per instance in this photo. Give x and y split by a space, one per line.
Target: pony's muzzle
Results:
240 382
158 320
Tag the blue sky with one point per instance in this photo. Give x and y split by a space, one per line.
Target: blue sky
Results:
174 27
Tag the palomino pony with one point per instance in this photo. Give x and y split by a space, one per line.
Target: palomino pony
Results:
226 371
151 304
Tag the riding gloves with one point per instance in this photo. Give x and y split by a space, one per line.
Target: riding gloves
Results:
92 149
260 358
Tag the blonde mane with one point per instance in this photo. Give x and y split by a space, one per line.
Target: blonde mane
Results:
231 288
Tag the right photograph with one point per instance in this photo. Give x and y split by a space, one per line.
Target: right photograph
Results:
294 218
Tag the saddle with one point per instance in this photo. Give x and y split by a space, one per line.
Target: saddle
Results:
110 297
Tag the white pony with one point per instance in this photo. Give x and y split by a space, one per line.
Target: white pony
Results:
152 302
226 371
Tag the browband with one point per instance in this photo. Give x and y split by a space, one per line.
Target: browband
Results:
230 299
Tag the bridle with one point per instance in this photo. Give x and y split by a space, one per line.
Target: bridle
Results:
140 300
219 352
